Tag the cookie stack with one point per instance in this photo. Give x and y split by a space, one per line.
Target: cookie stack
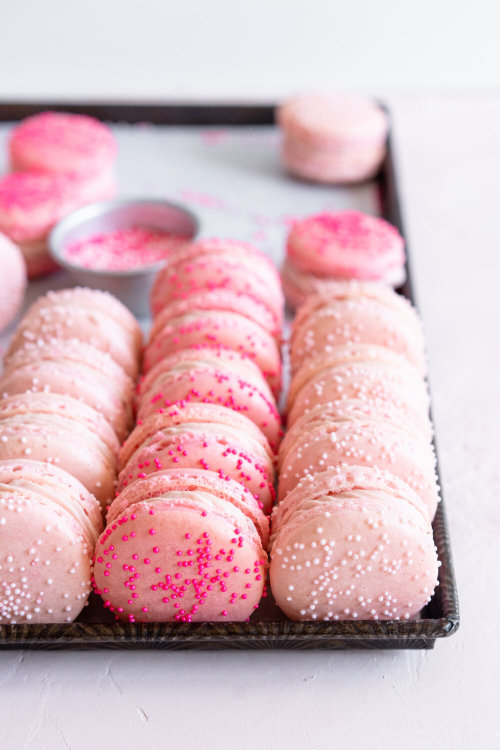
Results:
351 535
188 529
66 403
58 162
343 245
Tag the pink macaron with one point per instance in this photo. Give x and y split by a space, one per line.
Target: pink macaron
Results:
236 268
49 524
87 315
180 326
328 443
193 480
81 381
31 203
228 300
332 138
62 431
12 281
211 376
344 245
373 374
206 436
63 143
181 551
353 544
354 313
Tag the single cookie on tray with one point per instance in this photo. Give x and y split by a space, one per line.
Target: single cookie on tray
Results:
49 525
332 138
88 315
353 543
200 435
62 431
184 548
336 246
211 375
357 313
219 264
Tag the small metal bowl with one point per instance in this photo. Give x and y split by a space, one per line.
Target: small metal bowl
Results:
132 286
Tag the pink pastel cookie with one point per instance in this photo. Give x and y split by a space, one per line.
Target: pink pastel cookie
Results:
87 315
49 524
184 553
353 313
331 443
243 272
332 138
352 544
192 480
206 436
12 281
180 326
211 376
371 373
235 251
63 431
347 245
30 204
62 143
78 380
224 300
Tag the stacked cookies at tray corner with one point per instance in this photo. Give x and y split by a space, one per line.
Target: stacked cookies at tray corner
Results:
187 534
351 536
66 402
332 138
58 162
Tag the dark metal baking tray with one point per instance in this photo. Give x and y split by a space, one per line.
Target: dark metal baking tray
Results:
268 627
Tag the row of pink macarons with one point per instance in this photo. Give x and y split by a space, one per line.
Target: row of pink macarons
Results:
189 528
66 393
66 403
58 162
351 535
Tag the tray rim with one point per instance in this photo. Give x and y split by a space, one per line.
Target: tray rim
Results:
419 633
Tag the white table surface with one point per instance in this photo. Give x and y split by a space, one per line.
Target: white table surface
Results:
449 158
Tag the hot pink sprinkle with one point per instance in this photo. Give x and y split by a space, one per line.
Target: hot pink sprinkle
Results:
122 250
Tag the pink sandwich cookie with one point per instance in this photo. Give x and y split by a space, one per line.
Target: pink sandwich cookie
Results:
227 300
87 315
31 203
211 376
214 250
341 246
181 326
332 138
192 480
373 374
62 143
206 436
241 272
328 443
77 369
63 431
82 382
182 550
49 525
353 313
352 544
12 281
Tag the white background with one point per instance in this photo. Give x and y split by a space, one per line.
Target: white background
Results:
438 63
